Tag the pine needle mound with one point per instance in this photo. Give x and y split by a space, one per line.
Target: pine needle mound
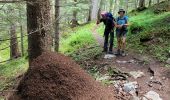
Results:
54 76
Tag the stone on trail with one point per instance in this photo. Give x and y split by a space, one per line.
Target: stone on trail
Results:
109 56
121 62
136 74
130 87
151 95
168 61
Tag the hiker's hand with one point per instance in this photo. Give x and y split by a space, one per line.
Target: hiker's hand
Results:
97 22
119 26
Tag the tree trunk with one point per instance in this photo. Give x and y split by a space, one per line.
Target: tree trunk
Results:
38 17
14 50
158 1
136 4
74 19
111 6
57 14
141 3
150 3
99 14
22 34
127 5
99 10
90 11
95 9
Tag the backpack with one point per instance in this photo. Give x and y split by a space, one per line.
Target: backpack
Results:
108 14
124 18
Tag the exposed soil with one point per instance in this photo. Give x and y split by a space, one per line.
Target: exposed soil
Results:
156 78
56 77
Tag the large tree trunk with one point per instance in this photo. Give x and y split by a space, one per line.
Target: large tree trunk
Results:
95 9
141 3
57 14
14 50
38 17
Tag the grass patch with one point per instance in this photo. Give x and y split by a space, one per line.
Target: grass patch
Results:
81 38
148 25
10 71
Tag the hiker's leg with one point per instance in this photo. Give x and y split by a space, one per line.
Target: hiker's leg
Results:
111 41
106 41
118 35
123 43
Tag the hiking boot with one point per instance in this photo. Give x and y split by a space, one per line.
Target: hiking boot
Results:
110 52
123 53
118 52
104 50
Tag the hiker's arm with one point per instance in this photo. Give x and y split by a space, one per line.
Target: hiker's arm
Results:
115 24
126 24
99 21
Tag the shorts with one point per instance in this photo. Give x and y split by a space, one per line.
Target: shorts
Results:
120 33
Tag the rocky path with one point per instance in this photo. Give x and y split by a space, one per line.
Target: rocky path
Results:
149 74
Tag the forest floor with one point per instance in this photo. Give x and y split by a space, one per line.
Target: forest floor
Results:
150 74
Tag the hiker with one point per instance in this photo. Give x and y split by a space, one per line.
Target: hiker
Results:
108 20
121 32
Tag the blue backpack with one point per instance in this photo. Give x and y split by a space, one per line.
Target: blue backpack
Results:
124 18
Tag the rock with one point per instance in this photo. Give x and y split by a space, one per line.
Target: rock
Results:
136 74
105 77
151 95
168 61
135 98
130 87
109 56
132 61
121 62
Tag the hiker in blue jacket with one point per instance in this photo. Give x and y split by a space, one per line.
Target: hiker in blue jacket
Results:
108 20
121 32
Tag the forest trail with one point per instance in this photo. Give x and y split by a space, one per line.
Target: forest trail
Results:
154 77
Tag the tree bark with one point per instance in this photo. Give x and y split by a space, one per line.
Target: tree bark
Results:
90 11
38 17
57 14
141 3
22 34
136 4
127 5
111 6
95 9
14 50
150 3
74 19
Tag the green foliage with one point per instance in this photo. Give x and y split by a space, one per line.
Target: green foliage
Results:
9 71
81 38
88 53
155 28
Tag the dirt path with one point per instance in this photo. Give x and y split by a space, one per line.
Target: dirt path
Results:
156 76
